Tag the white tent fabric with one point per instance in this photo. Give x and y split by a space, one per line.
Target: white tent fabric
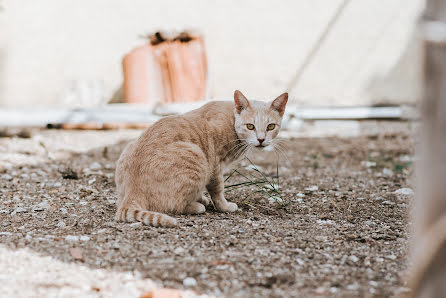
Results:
68 53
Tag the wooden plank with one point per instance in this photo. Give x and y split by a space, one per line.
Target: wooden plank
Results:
429 246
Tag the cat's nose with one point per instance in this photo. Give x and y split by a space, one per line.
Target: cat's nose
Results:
260 140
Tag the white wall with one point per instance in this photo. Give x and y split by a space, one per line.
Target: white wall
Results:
49 47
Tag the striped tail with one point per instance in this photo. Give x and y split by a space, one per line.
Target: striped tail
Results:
149 218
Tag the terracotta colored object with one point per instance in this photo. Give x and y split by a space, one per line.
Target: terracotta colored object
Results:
162 293
166 70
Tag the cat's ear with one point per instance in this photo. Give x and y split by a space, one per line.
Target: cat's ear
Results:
241 102
279 103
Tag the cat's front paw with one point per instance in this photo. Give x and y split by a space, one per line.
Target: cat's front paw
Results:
228 207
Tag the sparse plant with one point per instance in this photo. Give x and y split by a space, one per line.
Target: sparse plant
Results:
269 187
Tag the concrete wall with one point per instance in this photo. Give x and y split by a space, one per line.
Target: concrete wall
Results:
66 52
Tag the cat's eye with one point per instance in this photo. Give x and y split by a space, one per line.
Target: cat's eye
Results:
271 126
250 126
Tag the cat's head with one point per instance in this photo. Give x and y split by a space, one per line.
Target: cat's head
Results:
257 123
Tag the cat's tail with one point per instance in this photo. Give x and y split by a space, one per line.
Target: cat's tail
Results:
149 218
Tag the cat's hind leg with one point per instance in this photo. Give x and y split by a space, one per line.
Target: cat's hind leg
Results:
194 208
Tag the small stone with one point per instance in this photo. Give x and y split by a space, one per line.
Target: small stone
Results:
95 166
71 238
373 283
61 224
353 258
391 257
7 177
57 184
84 238
63 210
404 191
388 203
91 181
42 206
387 172
320 291
178 250
5 233
312 188
273 200
83 203
353 287
189 282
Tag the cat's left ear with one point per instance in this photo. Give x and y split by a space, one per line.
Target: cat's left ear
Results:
279 103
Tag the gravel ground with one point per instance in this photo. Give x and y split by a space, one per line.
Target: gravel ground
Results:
340 230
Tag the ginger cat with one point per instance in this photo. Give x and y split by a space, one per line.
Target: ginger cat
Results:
169 166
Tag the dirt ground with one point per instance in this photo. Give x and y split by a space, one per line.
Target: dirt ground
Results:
341 229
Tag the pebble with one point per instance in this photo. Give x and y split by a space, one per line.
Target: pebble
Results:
63 210
57 184
387 172
353 258
312 188
189 282
71 238
83 203
84 238
178 250
43 205
136 225
273 200
91 181
95 166
404 191
61 224
7 177
388 203
353 287
5 233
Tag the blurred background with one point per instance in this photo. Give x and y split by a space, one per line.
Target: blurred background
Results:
63 53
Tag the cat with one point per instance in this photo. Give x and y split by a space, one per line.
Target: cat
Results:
169 166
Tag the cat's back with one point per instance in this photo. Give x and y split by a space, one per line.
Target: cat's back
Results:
189 126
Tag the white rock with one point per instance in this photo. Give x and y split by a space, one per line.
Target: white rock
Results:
253 168
63 210
369 164
7 177
353 287
136 225
178 250
373 283
61 224
57 184
273 200
43 205
95 166
312 188
387 172
83 203
71 238
300 195
189 282
5 233
84 238
404 191
353 258
18 210
91 181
